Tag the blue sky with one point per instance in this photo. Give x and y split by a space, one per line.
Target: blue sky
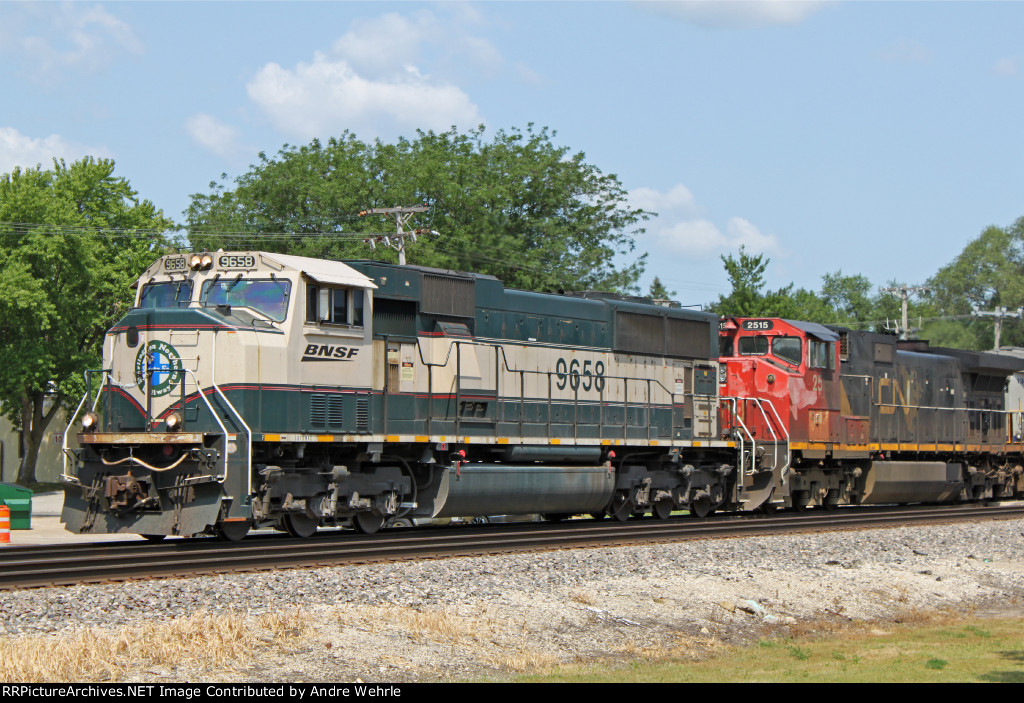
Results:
875 138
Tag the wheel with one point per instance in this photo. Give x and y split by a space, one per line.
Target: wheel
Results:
701 507
299 524
233 530
662 509
831 501
622 507
401 522
800 500
153 538
367 523
599 516
481 520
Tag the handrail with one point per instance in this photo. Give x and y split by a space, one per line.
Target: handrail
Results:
503 364
735 418
782 427
241 420
224 430
74 416
753 442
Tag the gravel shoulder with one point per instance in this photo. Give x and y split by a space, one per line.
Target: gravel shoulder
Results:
499 615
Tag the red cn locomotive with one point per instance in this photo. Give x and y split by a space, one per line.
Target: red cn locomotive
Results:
864 418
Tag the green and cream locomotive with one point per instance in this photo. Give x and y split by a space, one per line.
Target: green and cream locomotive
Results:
250 389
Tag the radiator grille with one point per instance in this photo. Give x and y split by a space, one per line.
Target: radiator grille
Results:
445 295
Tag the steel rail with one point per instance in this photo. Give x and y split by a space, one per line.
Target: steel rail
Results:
60 565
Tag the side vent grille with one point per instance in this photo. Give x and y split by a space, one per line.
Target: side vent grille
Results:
362 415
326 411
318 410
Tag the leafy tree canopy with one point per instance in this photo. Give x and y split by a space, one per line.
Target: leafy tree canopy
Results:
72 241
843 300
516 206
988 274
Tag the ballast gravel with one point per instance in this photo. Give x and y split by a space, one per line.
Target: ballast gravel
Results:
495 616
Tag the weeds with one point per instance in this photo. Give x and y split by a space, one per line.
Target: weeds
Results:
97 654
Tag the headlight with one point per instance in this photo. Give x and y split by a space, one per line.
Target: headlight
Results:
89 422
200 261
173 422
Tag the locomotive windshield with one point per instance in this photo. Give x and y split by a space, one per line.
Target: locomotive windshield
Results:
171 294
269 297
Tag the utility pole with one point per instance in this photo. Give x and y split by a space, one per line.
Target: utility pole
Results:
999 313
904 292
401 215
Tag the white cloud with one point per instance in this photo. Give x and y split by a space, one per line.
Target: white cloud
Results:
328 96
385 45
1009 66
678 232
679 196
16 149
52 39
383 77
741 232
215 136
737 14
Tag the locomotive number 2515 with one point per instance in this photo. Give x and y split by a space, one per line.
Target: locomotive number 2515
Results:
588 374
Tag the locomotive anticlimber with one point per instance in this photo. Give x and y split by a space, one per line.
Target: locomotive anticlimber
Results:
255 389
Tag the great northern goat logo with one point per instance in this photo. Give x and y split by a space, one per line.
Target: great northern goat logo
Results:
161 363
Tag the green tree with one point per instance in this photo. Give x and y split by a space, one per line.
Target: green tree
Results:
747 297
987 274
72 241
848 298
516 206
658 291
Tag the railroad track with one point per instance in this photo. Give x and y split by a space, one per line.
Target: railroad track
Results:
39 566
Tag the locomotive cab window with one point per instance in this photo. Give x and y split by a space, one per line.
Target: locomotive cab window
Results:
267 297
819 355
171 294
753 345
334 305
788 349
724 346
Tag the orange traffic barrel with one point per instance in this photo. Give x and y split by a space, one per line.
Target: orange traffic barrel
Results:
5 524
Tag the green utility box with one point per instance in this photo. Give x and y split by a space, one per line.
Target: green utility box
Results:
19 500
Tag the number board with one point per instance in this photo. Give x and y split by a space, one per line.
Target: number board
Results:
175 263
757 325
236 261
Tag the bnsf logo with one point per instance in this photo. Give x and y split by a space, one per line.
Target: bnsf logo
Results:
324 352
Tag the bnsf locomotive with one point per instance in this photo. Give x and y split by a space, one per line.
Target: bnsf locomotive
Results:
866 418
248 389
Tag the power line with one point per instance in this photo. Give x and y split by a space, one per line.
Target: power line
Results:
999 313
904 293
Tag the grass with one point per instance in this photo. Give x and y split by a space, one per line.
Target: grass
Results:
926 648
915 647
199 641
